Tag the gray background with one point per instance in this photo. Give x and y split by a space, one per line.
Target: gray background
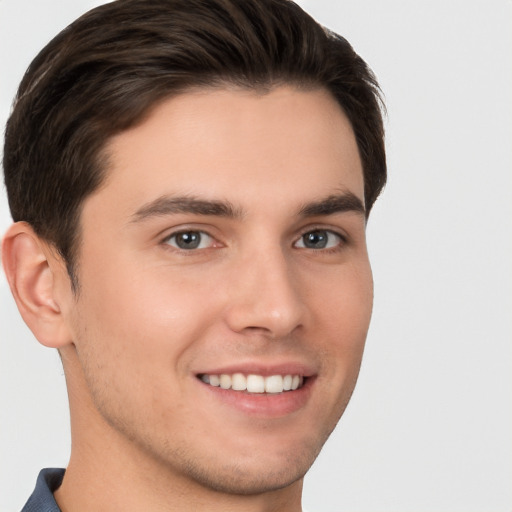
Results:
430 424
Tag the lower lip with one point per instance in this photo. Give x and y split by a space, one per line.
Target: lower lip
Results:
271 405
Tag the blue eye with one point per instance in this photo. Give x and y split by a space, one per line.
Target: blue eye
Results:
189 240
319 239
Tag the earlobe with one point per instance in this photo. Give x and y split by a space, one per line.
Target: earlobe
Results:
31 277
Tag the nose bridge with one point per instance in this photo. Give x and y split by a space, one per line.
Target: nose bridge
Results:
265 294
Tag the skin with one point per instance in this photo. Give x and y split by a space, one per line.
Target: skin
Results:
149 316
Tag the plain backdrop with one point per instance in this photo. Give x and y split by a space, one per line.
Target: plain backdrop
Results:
429 427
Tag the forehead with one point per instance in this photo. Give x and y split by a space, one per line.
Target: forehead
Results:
237 143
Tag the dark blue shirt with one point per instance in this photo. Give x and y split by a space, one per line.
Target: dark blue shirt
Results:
42 499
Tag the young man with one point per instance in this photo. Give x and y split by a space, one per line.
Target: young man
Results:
190 182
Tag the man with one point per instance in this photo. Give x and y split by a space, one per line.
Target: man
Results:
190 182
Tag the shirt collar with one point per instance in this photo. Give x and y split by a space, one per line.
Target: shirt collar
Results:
42 499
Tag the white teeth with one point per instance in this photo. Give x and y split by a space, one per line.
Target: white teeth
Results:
239 382
254 383
274 384
225 381
214 380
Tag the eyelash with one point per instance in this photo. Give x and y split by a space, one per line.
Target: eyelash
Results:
342 239
311 229
168 238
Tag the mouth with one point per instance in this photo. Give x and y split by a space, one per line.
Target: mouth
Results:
255 384
264 391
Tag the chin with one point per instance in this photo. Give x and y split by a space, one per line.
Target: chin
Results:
238 479
257 471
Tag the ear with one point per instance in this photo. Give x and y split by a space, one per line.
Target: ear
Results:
31 266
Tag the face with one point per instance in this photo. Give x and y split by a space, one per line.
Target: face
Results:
225 289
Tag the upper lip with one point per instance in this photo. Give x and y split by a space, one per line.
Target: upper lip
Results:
262 368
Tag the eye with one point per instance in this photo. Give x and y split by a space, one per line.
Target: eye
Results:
319 239
189 240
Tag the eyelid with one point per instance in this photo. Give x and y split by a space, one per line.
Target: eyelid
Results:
186 227
174 233
214 241
343 239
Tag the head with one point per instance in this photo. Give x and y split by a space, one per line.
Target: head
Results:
203 172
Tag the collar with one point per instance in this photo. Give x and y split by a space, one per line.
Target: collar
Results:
42 499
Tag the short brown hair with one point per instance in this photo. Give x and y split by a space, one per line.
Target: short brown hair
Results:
103 73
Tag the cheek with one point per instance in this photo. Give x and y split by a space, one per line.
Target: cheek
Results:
134 336
144 318
344 314
349 298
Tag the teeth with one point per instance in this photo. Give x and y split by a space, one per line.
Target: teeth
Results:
239 382
225 381
274 384
254 383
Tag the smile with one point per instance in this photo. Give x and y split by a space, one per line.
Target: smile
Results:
254 383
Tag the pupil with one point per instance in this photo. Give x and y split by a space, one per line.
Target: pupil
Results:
315 239
189 240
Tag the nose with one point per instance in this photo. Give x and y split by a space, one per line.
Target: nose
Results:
265 296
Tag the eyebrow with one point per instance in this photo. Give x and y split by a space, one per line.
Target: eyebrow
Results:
168 205
336 203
